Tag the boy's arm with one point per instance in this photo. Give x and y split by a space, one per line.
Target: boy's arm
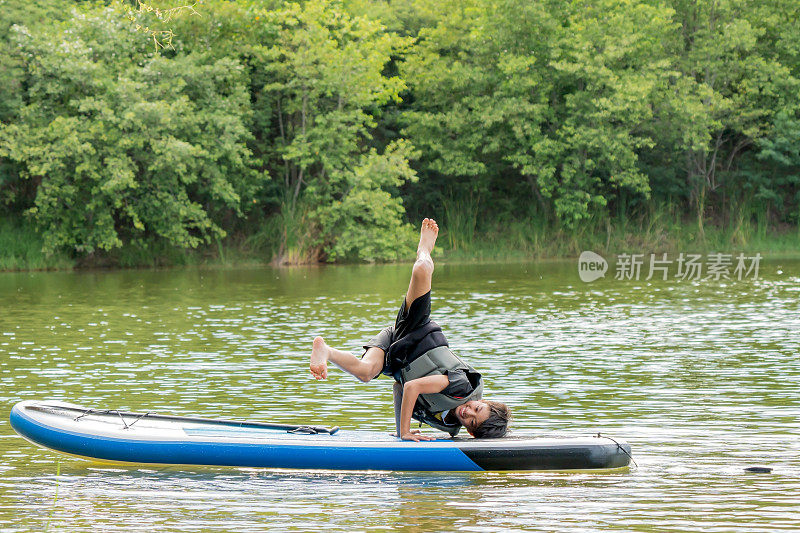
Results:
411 391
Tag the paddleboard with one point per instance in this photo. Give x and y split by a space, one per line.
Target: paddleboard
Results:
109 435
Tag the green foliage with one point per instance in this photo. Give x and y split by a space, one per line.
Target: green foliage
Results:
365 221
589 102
551 97
127 145
30 15
15 194
305 130
324 83
724 103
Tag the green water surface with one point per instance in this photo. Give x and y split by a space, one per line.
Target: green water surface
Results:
701 377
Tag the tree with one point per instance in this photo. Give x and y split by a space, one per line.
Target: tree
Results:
323 85
126 145
557 99
726 98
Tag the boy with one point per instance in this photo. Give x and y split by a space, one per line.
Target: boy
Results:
432 384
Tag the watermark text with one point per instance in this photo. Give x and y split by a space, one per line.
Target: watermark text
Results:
690 267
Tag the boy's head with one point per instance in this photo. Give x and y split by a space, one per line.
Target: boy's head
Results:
484 419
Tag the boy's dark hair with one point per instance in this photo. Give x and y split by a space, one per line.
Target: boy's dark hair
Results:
496 425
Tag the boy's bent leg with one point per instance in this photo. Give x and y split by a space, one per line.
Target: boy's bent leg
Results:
422 272
364 369
397 397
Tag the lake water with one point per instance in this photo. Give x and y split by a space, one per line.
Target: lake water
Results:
700 377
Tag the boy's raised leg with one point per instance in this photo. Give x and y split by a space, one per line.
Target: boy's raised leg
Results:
372 363
422 272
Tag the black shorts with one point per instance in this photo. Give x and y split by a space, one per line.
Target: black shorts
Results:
417 315
418 319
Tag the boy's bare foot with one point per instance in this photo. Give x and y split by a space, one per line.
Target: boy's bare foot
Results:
427 235
319 358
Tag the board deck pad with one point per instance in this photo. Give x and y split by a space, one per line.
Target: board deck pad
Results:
148 438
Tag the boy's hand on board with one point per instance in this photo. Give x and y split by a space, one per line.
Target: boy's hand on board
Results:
416 436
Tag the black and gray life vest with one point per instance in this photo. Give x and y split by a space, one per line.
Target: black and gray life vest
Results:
429 407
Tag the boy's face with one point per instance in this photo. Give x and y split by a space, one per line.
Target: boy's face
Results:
472 414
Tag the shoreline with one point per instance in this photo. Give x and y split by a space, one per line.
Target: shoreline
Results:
484 249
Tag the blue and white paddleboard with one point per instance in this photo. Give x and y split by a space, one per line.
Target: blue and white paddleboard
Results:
146 438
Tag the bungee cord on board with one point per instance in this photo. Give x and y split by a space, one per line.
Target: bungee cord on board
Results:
109 412
619 447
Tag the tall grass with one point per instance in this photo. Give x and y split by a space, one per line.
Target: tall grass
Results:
150 254
21 249
291 243
657 230
266 240
461 213
466 236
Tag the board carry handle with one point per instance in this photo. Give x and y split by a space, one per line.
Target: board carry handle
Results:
309 430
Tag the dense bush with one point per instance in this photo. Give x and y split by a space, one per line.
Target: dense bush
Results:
582 107
125 144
